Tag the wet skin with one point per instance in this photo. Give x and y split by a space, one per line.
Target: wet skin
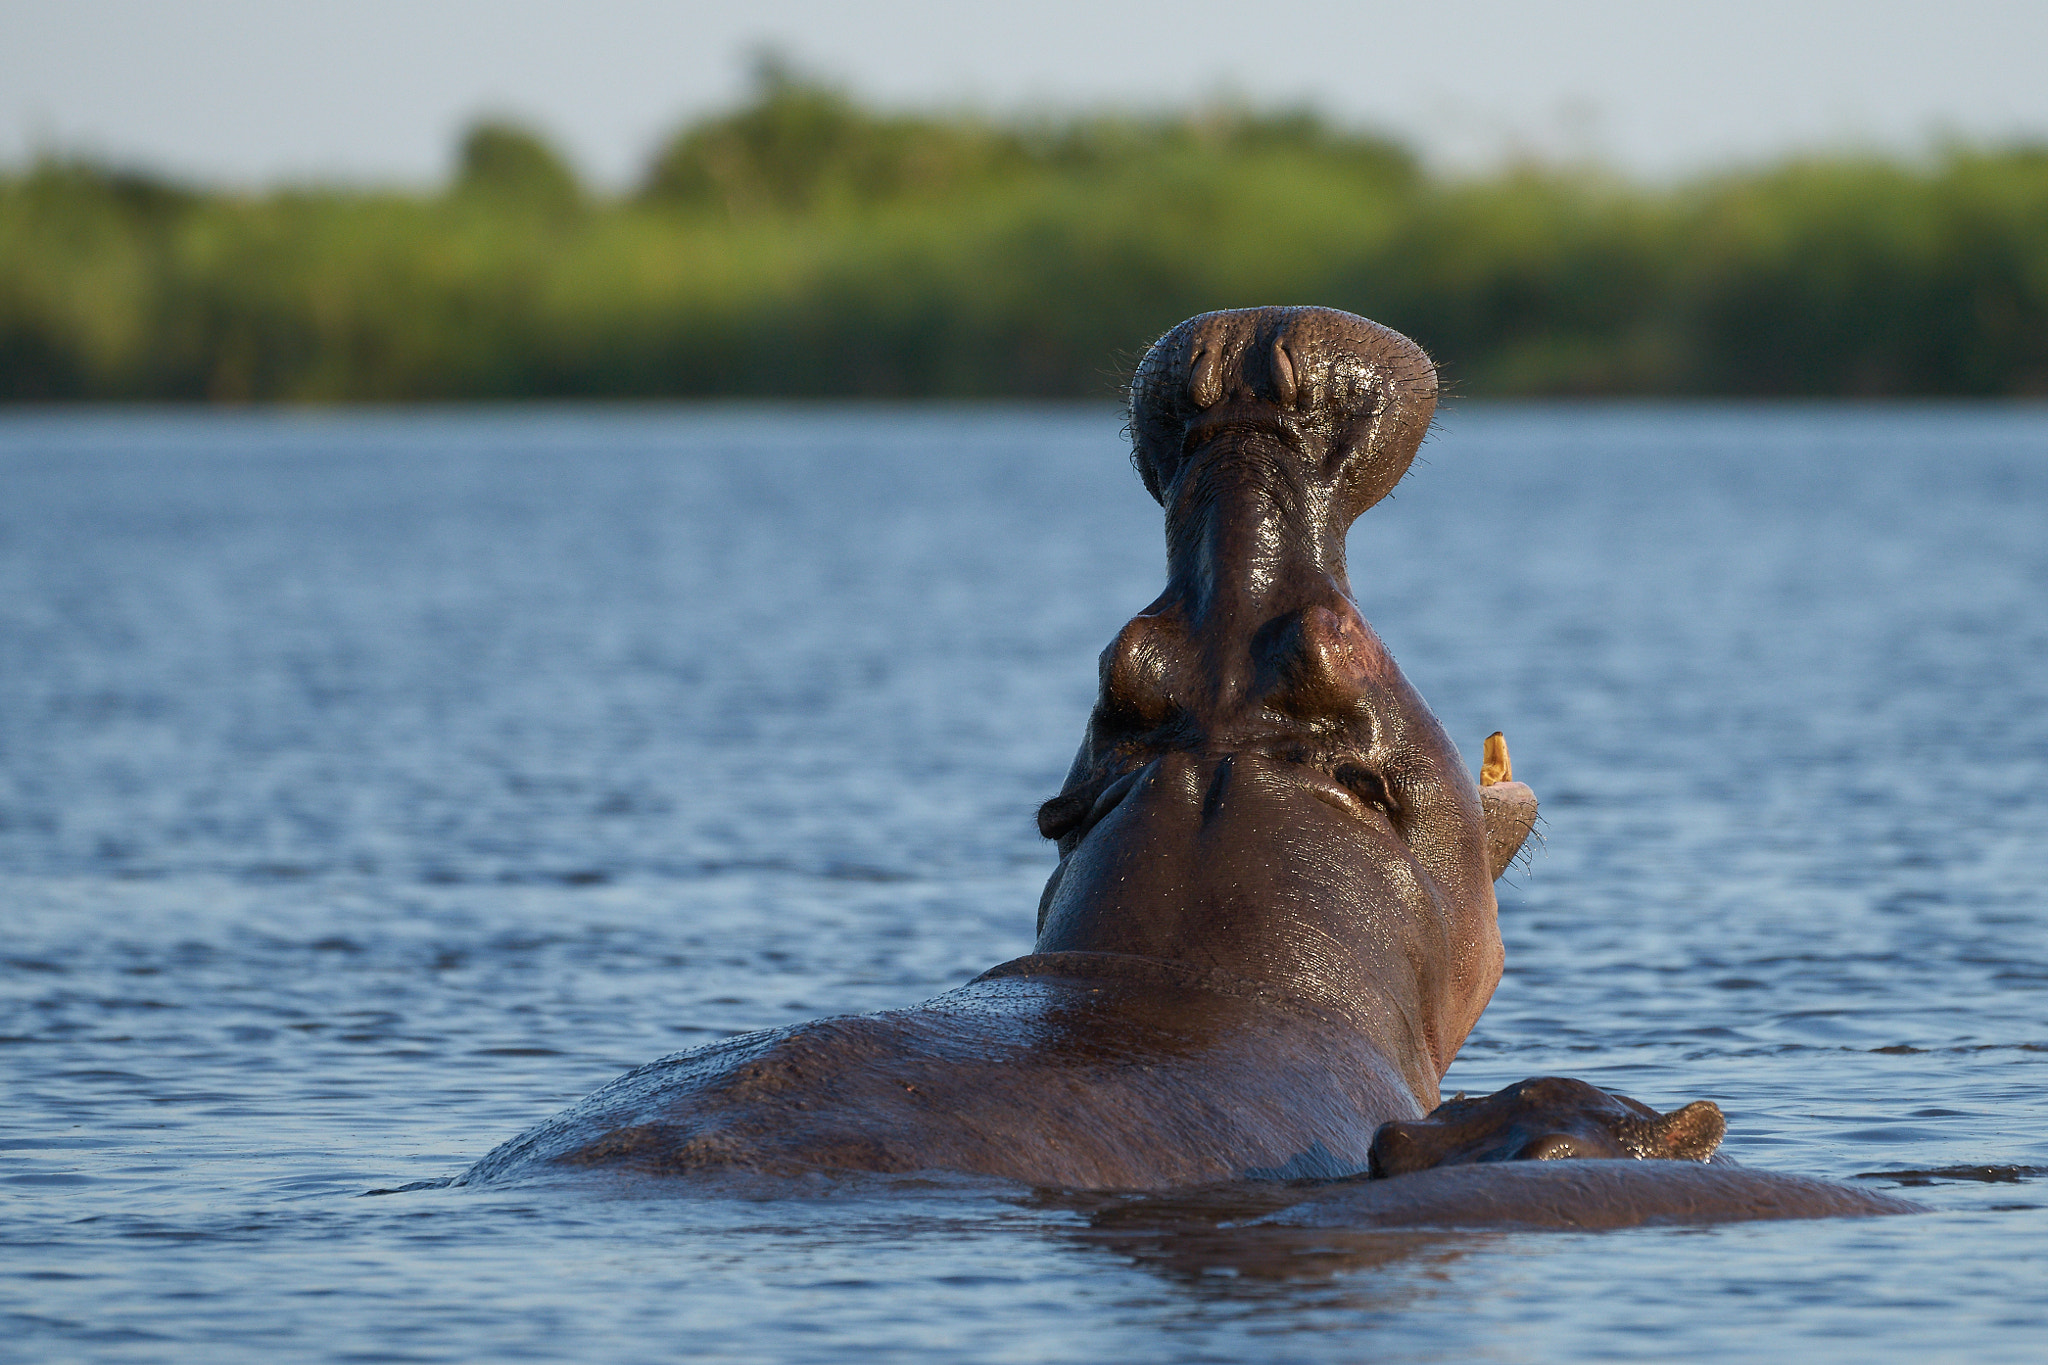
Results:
1273 921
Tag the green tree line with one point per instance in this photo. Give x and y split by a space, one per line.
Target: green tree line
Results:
803 244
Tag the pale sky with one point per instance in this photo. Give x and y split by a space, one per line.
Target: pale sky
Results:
255 92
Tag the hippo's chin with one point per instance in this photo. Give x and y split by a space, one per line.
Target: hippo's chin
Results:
1271 870
1159 869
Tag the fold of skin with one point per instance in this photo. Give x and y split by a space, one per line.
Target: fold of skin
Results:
1273 921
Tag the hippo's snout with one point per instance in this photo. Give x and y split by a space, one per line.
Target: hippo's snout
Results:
1350 395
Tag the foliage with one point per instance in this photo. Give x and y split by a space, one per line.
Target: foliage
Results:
803 244
513 166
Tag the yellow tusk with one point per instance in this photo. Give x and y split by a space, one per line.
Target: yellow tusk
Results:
1496 766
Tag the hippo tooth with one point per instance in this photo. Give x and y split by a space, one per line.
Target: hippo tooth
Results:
1496 766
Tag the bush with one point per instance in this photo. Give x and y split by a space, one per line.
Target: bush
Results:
802 244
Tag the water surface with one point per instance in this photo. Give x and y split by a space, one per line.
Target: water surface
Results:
372 785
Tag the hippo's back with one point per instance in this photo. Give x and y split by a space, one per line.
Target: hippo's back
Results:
1137 1082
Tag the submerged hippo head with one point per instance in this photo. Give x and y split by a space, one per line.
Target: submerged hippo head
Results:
1260 790
1546 1119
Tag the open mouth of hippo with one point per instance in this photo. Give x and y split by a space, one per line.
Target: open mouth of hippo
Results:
1259 789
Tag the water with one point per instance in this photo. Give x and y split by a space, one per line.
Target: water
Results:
372 785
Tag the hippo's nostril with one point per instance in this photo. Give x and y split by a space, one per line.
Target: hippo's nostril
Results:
1205 378
1284 388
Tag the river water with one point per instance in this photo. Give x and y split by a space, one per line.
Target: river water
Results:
374 784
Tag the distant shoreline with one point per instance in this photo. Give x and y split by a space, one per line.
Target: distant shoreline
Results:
804 246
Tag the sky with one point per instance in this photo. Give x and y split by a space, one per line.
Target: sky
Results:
261 92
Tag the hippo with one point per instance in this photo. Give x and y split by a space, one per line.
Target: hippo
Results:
1272 923
1546 1118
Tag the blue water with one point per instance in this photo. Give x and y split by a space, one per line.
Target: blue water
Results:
372 785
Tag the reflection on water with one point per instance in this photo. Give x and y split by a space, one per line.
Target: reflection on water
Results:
1210 1242
373 785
